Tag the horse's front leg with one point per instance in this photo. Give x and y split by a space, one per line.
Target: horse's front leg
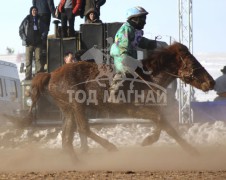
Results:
147 113
174 134
83 127
149 140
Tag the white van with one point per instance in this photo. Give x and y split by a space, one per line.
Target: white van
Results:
10 92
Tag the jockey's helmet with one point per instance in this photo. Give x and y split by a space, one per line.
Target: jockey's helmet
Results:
135 12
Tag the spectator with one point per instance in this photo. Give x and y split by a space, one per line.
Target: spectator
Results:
220 86
92 17
32 32
69 9
88 4
68 57
124 50
45 9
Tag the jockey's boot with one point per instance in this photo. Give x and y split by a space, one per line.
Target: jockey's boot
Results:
113 96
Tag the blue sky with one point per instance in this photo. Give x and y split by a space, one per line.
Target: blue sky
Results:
209 27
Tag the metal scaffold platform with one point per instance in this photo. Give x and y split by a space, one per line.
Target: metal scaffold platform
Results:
186 92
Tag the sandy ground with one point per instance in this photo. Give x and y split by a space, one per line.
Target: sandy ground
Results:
154 162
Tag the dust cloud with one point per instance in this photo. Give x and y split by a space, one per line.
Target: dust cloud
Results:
152 158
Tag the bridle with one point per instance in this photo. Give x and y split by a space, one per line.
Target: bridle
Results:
186 77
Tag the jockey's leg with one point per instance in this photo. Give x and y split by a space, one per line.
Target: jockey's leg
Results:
114 88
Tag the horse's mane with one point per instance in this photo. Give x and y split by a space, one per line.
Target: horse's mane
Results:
161 58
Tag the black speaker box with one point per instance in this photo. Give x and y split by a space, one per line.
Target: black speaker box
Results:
54 54
92 35
112 28
57 47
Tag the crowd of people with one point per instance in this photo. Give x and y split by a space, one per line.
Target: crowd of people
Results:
35 26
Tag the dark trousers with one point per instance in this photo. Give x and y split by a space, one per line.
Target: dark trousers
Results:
67 16
46 18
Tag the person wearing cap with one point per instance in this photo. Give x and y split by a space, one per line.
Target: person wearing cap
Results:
124 49
33 31
69 9
92 16
220 86
88 4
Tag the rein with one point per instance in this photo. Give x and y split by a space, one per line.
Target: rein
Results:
190 75
146 83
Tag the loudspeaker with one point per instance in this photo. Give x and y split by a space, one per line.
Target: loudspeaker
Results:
92 36
111 30
57 48
68 45
54 54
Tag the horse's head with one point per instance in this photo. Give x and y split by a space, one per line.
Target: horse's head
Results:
176 60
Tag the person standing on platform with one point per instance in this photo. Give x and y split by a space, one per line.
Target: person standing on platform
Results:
69 9
33 31
45 9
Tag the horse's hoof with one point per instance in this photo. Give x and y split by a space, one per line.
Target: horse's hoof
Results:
71 155
144 143
194 152
191 150
148 141
84 150
112 148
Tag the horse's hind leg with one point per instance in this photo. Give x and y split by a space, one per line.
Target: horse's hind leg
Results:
83 127
103 142
68 130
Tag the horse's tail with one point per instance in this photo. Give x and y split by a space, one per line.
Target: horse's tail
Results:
38 87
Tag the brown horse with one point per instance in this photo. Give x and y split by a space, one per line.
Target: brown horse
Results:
71 84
